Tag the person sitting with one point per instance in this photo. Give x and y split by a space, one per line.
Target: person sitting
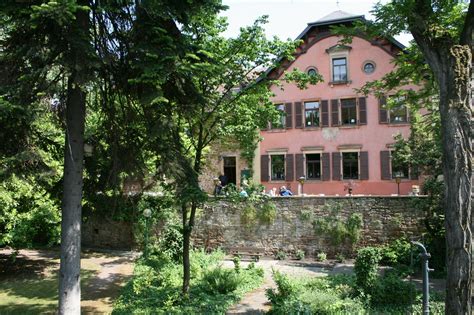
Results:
273 192
285 192
243 193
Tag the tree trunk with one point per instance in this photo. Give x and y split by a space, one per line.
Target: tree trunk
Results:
186 248
455 107
70 265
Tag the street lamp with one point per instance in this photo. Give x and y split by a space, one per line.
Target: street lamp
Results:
301 180
398 178
147 215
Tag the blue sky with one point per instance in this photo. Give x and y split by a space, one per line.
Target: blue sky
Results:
288 18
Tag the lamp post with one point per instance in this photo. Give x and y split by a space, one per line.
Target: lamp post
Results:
398 178
301 180
147 215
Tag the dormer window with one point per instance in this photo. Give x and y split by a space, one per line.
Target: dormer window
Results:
339 63
339 69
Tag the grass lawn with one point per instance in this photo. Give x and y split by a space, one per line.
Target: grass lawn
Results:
30 284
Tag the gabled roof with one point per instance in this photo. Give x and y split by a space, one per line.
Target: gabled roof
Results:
341 17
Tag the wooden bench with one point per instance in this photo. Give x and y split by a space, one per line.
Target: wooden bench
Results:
253 252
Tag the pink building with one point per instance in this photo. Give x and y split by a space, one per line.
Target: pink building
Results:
329 134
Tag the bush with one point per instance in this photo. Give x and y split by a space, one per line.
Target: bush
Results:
397 252
384 288
156 286
221 281
321 256
365 268
267 213
29 216
280 255
236 261
315 296
299 254
248 216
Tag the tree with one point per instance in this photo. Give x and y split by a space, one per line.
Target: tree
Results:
443 35
232 102
58 47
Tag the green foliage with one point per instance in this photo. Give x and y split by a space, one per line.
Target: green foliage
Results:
338 230
236 261
248 215
321 256
267 213
299 254
384 288
315 296
156 285
366 267
29 215
221 281
397 252
280 255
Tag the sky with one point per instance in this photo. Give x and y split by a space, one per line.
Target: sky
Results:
288 18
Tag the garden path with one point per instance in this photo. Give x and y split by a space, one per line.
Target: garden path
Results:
29 285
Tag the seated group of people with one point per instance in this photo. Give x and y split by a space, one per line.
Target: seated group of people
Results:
283 192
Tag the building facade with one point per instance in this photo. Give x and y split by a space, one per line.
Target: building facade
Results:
329 133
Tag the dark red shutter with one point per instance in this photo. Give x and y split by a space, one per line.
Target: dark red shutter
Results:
385 165
289 115
336 166
264 176
362 111
298 115
324 113
326 167
299 159
364 165
289 176
383 114
335 113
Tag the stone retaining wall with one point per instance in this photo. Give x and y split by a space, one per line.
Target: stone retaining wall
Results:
384 219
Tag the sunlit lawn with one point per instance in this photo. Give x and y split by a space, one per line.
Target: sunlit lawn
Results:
33 293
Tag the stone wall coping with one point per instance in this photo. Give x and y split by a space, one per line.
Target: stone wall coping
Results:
335 197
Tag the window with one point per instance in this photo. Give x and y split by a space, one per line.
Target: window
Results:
280 122
398 169
277 165
350 165
339 69
349 111
313 166
311 114
369 67
312 71
398 112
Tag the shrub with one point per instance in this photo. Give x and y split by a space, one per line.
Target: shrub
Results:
236 261
171 242
340 258
287 289
321 256
397 252
248 215
280 255
365 268
384 288
222 281
267 213
354 225
299 254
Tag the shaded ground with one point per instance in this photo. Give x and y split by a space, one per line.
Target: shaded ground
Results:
256 302
29 284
